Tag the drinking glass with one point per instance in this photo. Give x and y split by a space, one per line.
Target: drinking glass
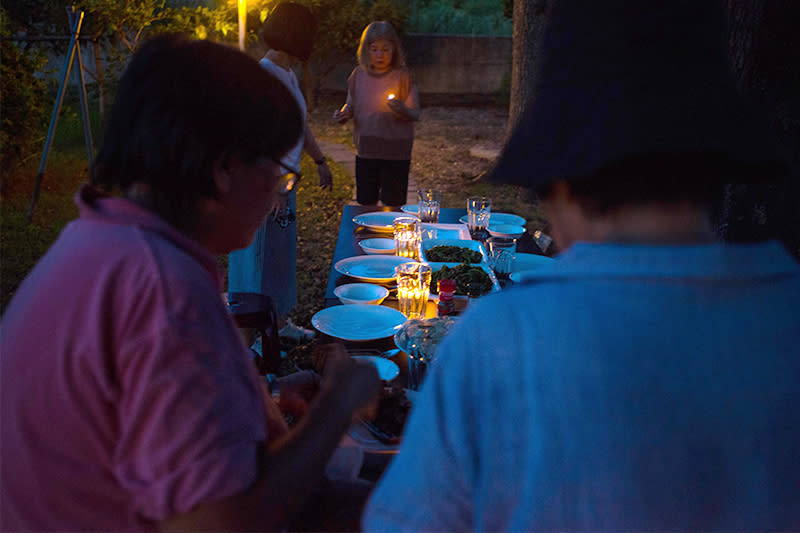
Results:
479 209
407 237
501 257
429 201
413 288
542 240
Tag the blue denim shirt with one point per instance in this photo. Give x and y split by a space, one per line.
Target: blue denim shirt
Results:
622 388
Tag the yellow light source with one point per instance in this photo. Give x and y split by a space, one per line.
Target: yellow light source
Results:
242 23
391 96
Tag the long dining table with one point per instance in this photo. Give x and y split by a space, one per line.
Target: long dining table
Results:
350 234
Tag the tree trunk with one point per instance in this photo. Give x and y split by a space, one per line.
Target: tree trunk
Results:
765 58
529 16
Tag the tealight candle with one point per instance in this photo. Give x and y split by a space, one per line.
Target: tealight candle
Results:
407 237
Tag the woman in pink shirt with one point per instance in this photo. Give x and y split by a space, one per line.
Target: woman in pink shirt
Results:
383 102
129 401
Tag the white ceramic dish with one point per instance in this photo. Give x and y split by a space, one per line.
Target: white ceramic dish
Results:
361 293
525 266
358 322
524 262
367 442
378 220
378 245
387 370
501 218
411 209
506 230
472 245
370 268
445 231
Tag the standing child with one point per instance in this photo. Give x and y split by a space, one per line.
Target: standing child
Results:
383 102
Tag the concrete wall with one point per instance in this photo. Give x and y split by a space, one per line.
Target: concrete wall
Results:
448 64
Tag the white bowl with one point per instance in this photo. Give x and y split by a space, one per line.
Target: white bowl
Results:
361 293
377 245
506 230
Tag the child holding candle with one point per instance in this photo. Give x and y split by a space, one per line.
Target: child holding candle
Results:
383 102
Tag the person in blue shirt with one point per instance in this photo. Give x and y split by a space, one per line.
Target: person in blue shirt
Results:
646 380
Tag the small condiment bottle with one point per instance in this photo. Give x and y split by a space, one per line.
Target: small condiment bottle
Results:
446 304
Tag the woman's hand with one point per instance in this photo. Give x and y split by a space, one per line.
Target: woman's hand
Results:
325 176
297 390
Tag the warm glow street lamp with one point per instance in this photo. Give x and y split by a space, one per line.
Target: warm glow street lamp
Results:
242 23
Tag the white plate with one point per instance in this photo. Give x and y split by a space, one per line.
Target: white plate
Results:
367 442
376 268
358 322
387 370
506 230
378 245
526 265
445 231
412 209
378 220
523 262
472 245
501 218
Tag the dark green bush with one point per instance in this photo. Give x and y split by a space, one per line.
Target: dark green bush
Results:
24 110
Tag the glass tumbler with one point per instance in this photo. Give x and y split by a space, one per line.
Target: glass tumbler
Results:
407 237
479 209
413 288
429 201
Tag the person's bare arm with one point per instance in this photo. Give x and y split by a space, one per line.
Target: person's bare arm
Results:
312 148
295 464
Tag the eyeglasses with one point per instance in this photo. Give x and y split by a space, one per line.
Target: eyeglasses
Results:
288 181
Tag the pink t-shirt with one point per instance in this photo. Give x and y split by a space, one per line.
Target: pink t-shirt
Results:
127 393
377 132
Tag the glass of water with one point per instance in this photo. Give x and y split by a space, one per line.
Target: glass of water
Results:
479 209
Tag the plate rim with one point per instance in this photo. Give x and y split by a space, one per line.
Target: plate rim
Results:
391 364
350 309
524 222
370 257
383 227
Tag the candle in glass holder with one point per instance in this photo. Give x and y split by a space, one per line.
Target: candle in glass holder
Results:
407 237
413 288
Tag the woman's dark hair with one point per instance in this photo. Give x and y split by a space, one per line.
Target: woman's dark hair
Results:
290 28
181 106
696 177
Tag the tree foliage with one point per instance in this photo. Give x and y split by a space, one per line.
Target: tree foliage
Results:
23 107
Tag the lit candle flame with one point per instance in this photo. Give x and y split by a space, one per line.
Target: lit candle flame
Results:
391 96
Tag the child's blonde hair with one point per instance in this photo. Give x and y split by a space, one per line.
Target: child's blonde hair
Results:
377 30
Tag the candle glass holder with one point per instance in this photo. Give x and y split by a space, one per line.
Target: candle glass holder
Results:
407 237
413 288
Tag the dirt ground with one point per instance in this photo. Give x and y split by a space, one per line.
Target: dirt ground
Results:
443 139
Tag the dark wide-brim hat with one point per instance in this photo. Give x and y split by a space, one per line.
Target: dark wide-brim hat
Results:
620 79
290 28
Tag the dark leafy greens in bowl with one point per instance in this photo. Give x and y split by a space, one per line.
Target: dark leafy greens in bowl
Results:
452 254
470 280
